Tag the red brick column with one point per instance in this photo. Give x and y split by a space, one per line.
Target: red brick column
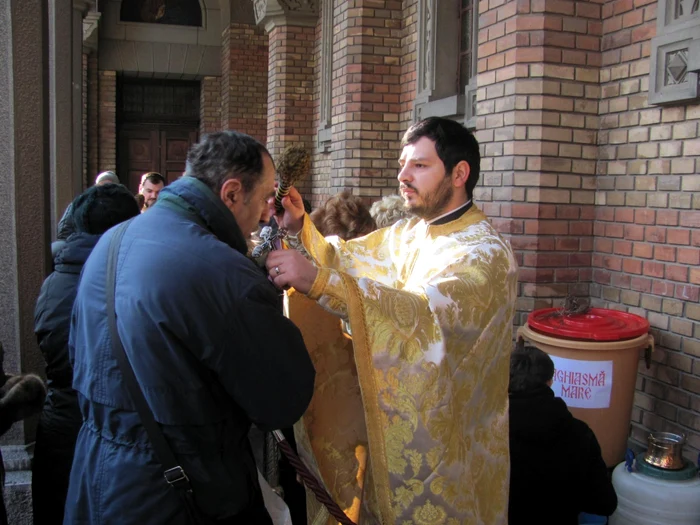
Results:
290 87
107 114
290 90
244 80
210 105
538 116
366 96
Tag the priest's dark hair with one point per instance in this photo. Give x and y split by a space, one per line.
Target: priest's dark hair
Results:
453 143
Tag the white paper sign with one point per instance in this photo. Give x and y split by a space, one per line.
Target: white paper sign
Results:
583 384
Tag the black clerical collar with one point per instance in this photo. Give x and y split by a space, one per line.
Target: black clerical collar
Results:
451 215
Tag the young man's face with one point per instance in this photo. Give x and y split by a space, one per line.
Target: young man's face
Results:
425 186
150 192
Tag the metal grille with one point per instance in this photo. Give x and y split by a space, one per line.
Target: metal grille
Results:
686 7
676 67
466 44
160 100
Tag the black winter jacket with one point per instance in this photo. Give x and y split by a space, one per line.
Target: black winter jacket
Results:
557 470
61 419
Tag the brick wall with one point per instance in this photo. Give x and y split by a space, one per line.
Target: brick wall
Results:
210 105
647 228
317 190
290 88
244 80
107 114
409 44
597 191
366 96
538 65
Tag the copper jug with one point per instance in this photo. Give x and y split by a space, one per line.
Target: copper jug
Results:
665 450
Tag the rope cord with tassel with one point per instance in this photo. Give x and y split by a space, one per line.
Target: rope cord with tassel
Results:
310 480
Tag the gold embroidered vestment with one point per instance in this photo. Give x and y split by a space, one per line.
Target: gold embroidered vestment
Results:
409 420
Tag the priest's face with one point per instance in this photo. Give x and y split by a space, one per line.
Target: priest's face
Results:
427 189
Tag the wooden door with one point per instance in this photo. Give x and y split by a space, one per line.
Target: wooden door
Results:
174 145
139 153
153 147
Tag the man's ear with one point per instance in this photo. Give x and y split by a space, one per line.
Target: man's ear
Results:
231 192
460 174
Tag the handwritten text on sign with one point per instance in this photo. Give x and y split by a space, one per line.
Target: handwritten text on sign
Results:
583 384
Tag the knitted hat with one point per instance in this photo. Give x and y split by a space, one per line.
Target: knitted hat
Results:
99 208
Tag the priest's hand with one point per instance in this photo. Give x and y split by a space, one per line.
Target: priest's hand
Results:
293 217
289 268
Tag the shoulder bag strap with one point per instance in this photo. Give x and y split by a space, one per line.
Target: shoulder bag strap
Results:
174 473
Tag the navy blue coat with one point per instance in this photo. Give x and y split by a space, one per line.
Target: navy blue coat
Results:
211 351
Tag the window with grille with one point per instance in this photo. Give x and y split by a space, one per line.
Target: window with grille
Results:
446 69
171 12
159 100
674 74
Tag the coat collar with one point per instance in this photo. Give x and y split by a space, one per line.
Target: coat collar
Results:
192 197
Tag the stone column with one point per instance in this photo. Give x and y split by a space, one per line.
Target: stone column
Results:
65 102
24 216
24 181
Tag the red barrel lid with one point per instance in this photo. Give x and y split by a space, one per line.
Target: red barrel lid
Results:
597 324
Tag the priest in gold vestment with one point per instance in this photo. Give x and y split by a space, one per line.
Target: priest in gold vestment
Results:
409 420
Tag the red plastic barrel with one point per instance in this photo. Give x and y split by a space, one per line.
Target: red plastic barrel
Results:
596 357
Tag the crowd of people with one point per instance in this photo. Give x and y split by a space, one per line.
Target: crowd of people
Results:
379 337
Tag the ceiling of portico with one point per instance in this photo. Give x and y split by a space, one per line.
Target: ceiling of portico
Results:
168 51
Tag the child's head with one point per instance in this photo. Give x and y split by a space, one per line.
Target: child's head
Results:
530 368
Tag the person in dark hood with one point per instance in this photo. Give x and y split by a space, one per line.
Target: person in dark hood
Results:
65 225
209 348
93 212
557 469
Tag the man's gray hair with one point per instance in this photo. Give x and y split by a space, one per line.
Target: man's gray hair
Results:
389 210
107 176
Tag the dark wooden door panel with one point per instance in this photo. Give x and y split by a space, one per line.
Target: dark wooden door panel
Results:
153 147
174 145
138 154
